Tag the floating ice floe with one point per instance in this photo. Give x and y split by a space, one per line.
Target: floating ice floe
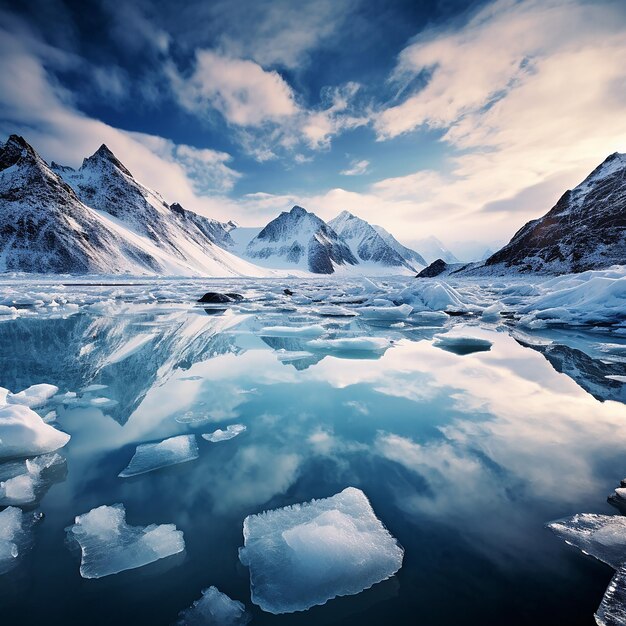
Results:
332 310
153 456
492 313
306 554
222 435
600 536
109 545
386 313
424 295
214 608
15 537
462 344
349 344
22 482
612 609
315 330
34 396
24 433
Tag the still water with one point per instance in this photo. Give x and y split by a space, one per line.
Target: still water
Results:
464 458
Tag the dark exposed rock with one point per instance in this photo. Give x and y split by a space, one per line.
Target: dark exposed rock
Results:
288 292
213 297
434 269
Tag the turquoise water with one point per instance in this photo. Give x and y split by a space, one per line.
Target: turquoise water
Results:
464 457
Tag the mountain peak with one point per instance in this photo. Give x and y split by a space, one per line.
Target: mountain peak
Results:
104 155
297 211
14 149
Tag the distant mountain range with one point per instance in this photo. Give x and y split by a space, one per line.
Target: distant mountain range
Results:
100 219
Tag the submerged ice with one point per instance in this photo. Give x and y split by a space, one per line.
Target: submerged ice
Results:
306 554
152 456
109 545
14 537
222 435
214 608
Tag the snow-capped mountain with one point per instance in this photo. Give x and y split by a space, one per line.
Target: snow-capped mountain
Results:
432 249
99 219
374 245
586 229
300 239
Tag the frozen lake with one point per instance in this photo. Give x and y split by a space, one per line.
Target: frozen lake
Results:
468 419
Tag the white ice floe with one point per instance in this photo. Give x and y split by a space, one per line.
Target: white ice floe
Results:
306 554
590 297
153 456
601 536
8 310
333 310
612 609
15 537
433 296
222 435
386 313
34 396
22 481
312 331
492 312
24 433
109 545
461 344
349 344
214 608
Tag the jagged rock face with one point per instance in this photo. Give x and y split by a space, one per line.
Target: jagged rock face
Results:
211 229
367 244
585 230
301 238
44 227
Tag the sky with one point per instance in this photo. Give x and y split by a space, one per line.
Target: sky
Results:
458 119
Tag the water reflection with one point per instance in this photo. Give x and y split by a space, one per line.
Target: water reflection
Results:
463 457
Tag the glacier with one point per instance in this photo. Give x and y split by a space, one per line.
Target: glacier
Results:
306 554
109 545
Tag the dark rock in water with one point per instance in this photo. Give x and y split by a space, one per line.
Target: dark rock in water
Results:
288 292
434 269
212 297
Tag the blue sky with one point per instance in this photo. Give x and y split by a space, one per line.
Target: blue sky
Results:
453 118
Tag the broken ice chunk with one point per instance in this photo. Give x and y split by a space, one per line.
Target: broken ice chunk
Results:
152 456
612 609
109 545
461 344
386 313
331 310
359 344
214 608
222 435
14 537
600 536
314 330
34 396
24 433
23 482
306 554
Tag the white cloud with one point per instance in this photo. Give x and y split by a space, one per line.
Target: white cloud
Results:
356 168
241 90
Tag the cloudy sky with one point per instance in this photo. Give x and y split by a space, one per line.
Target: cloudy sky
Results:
454 118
